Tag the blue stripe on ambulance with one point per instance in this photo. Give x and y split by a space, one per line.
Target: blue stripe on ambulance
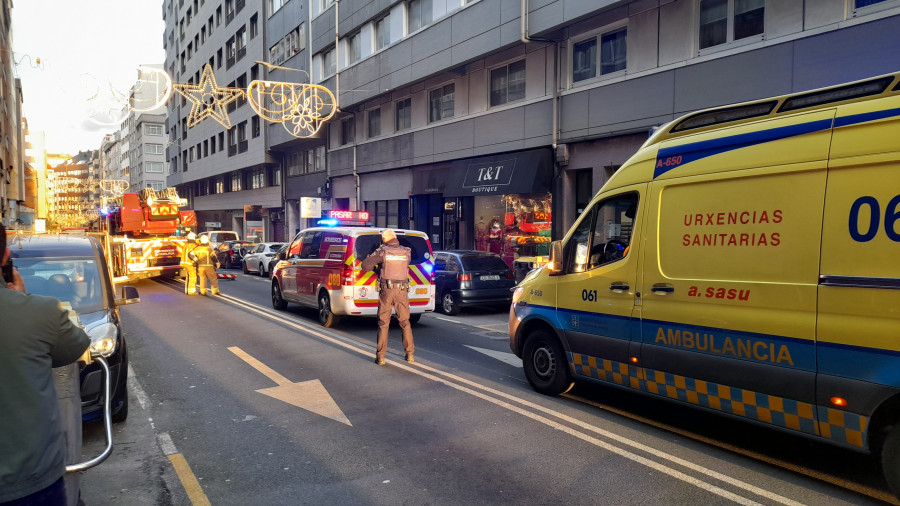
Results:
843 427
860 363
698 150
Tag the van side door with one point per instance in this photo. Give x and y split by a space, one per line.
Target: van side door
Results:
596 295
310 267
730 270
859 283
290 267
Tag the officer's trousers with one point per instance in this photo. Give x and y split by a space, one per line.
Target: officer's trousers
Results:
189 271
208 273
397 299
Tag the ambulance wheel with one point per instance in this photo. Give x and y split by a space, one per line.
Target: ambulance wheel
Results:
448 304
545 364
244 266
890 459
326 317
414 318
278 301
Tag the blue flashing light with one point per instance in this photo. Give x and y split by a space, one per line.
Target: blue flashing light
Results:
328 222
104 210
428 267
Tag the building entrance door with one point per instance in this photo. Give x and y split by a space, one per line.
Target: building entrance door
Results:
450 230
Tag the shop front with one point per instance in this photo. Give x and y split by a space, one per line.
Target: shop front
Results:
502 204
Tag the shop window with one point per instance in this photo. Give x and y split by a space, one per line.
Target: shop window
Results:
513 226
723 21
441 103
508 83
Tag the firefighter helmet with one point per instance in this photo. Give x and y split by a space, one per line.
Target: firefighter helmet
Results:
204 239
192 237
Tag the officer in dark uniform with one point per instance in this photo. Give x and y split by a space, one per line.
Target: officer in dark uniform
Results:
393 286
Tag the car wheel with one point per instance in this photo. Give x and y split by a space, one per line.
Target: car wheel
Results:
278 301
262 270
244 266
414 318
890 458
326 317
545 364
122 414
448 304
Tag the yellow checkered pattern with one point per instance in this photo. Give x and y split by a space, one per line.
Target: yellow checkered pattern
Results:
841 426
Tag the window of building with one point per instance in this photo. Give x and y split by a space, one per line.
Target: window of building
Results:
243 144
508 83
229 11
150 129
218 15
220 184
254 126
319 159
153 167
254 25
258 178
288 46
209 25
232 142
329 65
374 120
156 185
295 163
212 145
241 42
418 14
236 182
441 101
231 52
611 57
153 149
275 5
348 130
404 114
353 49
205 148
723 21
383 32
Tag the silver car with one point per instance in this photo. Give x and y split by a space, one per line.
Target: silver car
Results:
257 260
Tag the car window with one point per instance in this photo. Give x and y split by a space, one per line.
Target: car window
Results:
334 245
483 263
440 263
260 249
273 248
367 244
452 264
75 280
227 236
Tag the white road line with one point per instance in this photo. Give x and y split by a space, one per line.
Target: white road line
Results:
496 397
451 320
166 444
506 358
136 389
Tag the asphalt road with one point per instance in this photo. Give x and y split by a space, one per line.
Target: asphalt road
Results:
233 402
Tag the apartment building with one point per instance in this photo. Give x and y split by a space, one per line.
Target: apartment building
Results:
143 136
491 123
12 133
226 174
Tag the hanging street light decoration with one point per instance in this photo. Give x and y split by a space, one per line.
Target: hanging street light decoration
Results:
301 108
208 98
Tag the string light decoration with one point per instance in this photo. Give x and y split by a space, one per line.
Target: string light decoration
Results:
208 98
115 187
301 108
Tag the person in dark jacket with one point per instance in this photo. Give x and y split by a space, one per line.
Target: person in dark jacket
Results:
393 294
36 335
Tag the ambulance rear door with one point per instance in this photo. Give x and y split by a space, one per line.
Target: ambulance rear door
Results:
859 292
730 269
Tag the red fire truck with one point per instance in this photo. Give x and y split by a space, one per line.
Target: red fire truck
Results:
144 234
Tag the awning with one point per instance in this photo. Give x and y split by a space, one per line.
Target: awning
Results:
518 172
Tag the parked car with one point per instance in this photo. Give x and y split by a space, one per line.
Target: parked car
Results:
322 270
231 253
72 268
277 257
471 278
217 237
257 259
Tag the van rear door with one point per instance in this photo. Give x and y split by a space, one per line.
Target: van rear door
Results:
859 292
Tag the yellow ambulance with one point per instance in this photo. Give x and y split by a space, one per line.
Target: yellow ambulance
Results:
745 260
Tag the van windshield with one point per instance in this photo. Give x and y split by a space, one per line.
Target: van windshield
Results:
367 244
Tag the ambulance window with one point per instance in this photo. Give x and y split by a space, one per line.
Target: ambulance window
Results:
604 234
296 246
333 246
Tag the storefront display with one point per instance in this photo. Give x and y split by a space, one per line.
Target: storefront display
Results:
516 227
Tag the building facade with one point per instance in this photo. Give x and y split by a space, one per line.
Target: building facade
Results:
12 133
488 124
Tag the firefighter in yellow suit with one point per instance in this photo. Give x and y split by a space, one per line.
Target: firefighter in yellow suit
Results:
204 256
188 269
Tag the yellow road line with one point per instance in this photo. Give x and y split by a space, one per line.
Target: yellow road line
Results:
188 480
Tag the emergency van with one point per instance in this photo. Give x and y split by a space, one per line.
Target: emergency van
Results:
745 261
322 269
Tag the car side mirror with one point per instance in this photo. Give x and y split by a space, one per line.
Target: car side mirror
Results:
129 295
555 265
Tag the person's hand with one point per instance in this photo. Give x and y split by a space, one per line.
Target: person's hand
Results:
18 283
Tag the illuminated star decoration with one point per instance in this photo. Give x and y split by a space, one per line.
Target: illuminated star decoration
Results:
209 100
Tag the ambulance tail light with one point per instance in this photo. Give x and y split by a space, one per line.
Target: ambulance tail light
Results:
347 275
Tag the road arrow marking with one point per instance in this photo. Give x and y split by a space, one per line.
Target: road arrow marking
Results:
309 395
508 358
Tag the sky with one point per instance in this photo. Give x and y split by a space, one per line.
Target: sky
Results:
89 51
